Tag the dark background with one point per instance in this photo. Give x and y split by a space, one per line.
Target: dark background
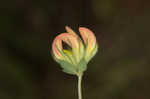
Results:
120 70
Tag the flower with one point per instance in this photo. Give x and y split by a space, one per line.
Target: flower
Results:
74 60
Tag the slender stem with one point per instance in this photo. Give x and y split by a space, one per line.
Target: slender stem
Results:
79 87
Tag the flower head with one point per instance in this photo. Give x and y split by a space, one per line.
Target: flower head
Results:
74 60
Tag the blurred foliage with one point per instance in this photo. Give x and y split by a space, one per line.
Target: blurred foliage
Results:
120 70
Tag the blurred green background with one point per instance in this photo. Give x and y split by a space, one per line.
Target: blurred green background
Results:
120 70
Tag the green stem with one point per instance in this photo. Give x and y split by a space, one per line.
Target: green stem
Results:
79 87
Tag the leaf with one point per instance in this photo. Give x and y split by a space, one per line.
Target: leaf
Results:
68 67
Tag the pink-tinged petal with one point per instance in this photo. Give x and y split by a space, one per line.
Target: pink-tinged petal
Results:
69 30
81 46
69 39
57 47
73 41
87 36
89 41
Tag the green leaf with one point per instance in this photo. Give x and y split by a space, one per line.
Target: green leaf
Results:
68 67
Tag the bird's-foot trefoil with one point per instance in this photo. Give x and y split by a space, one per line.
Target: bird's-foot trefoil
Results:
74 57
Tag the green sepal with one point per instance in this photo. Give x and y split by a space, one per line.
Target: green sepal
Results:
69 72
72 69
82 66
67 67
